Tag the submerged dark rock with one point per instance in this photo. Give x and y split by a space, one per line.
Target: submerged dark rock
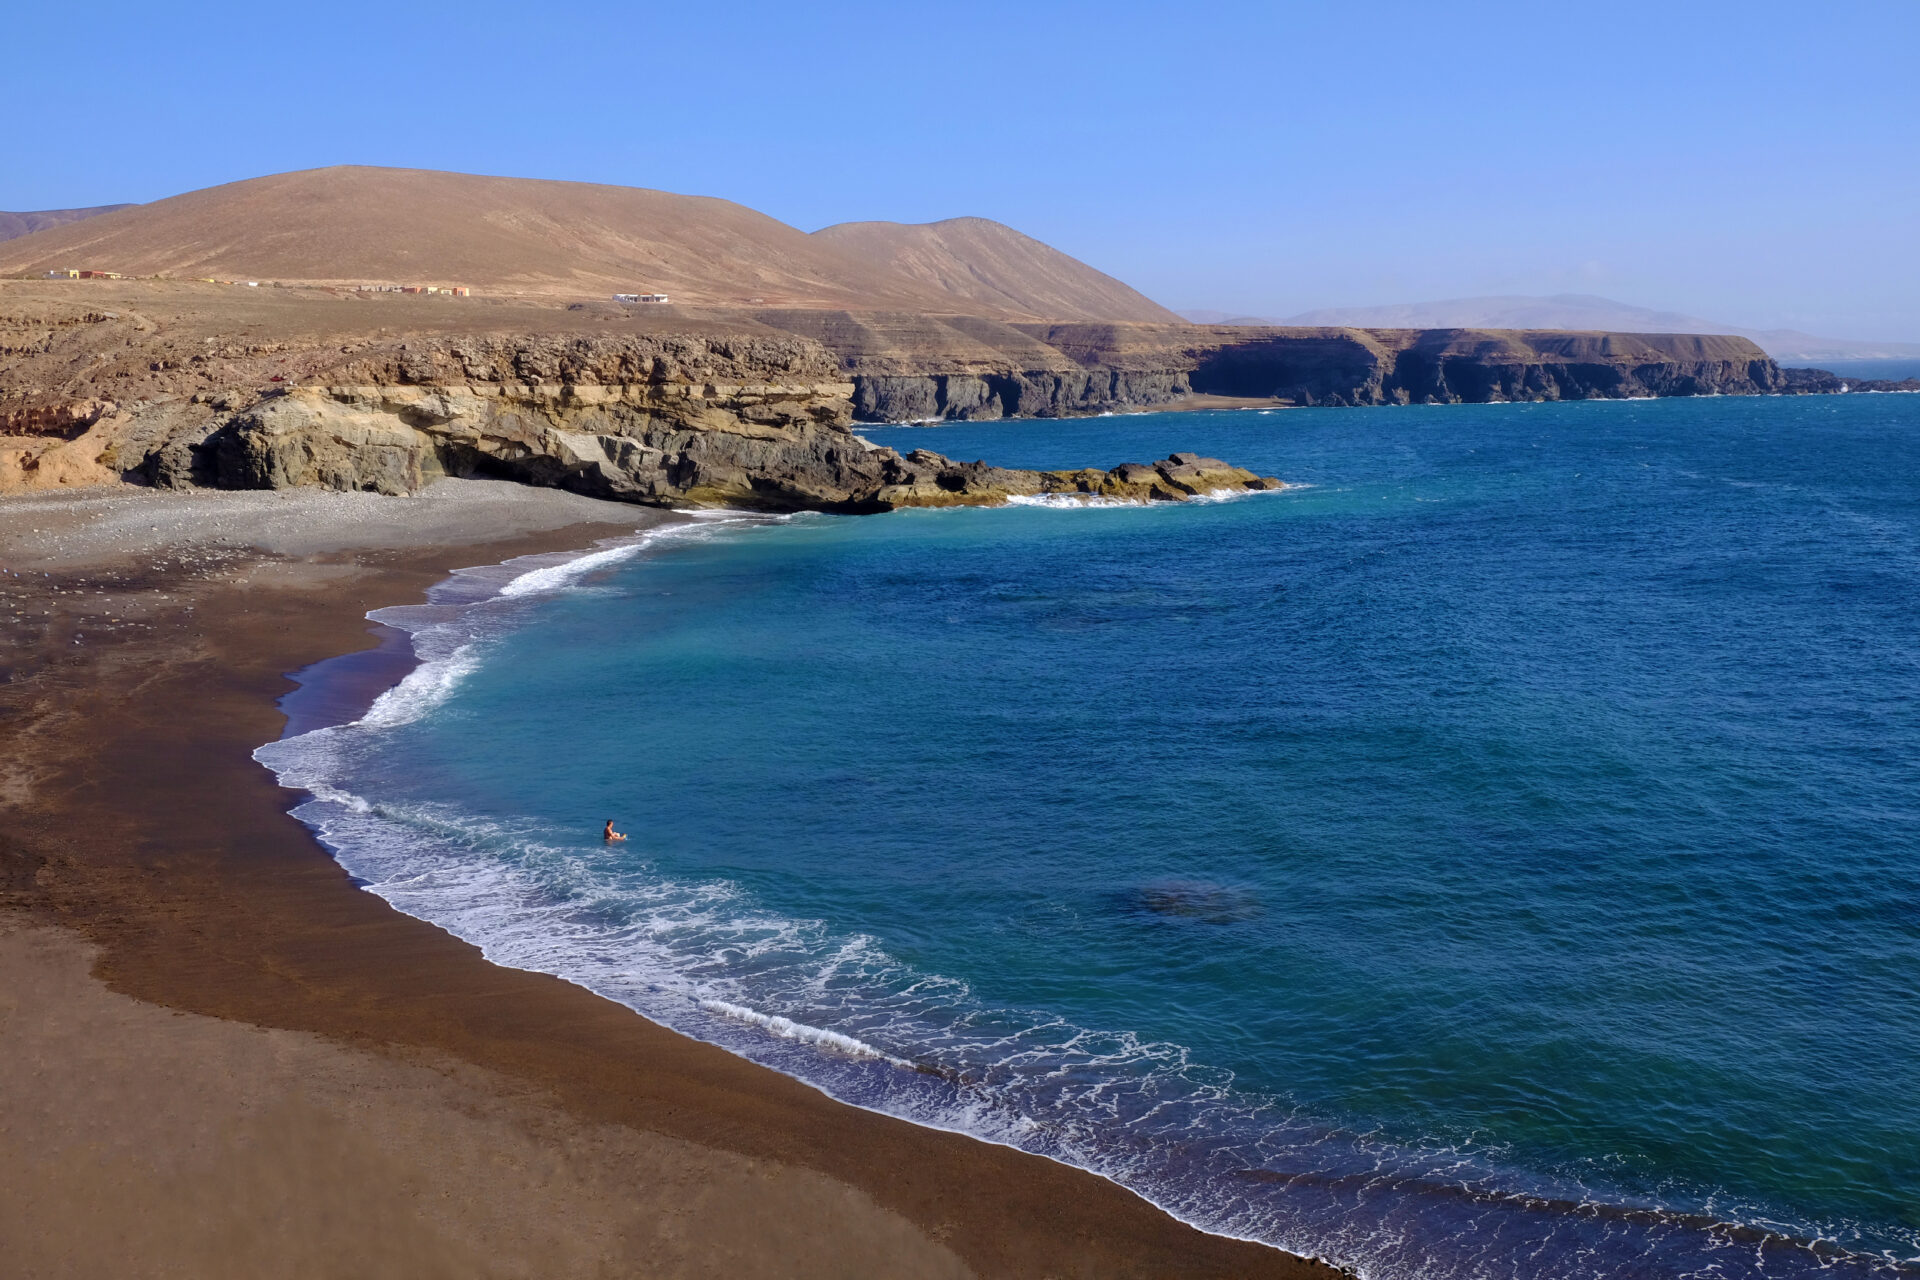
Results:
1200 900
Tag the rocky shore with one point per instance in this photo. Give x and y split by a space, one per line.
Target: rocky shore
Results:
703 417
1821 382
671 422
175 386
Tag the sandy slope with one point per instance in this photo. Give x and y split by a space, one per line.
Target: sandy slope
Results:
996 269
354 224
359 224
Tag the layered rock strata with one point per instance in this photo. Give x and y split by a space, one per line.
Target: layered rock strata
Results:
181 384
758 421
1455 366
907 368
772 448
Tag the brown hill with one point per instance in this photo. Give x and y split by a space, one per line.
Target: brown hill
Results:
14 225
995 269
353 224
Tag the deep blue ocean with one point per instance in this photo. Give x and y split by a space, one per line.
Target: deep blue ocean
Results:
1889 370
1496 856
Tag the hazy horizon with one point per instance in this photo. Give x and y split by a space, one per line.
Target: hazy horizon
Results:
1749 163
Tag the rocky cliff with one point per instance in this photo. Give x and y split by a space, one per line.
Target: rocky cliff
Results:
907 367
185 384
913 367
1821 382
756 420
1452 366
671 421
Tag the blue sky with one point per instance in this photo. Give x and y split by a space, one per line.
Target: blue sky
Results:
1755 163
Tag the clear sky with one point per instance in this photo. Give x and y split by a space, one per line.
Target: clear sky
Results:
1757 163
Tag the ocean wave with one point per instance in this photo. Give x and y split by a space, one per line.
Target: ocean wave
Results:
422 689
1216 496
1096 501
840 1012
788 1029
450 633
559 576
1072 501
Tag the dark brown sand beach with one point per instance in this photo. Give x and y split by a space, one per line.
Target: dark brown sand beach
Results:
223 1059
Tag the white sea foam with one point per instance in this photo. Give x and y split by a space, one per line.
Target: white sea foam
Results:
1216 496
1072 501
555 577
788 1029
333 795
424 688
1087 501
558 576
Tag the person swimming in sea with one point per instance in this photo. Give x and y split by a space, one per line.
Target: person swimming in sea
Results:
610 835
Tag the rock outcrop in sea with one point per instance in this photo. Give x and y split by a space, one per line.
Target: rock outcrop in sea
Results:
1822 382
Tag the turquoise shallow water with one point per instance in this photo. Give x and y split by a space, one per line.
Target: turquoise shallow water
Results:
1498 857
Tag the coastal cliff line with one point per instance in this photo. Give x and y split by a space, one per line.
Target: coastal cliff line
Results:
918 368
728 407
756 423
761 422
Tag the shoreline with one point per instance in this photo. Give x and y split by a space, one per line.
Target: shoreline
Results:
205 897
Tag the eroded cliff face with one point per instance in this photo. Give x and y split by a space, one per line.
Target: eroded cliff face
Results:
760 447
670 420
919 368
1453 366
908 367
747 408
1027 393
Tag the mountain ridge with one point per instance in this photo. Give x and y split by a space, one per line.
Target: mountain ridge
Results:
356 224
15 225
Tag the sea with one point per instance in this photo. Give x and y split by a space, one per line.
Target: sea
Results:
1495 855
1886 370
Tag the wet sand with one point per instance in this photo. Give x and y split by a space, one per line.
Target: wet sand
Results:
227 1061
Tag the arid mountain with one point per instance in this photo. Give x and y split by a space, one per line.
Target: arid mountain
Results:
353 225
995 269
14 225
1573 311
